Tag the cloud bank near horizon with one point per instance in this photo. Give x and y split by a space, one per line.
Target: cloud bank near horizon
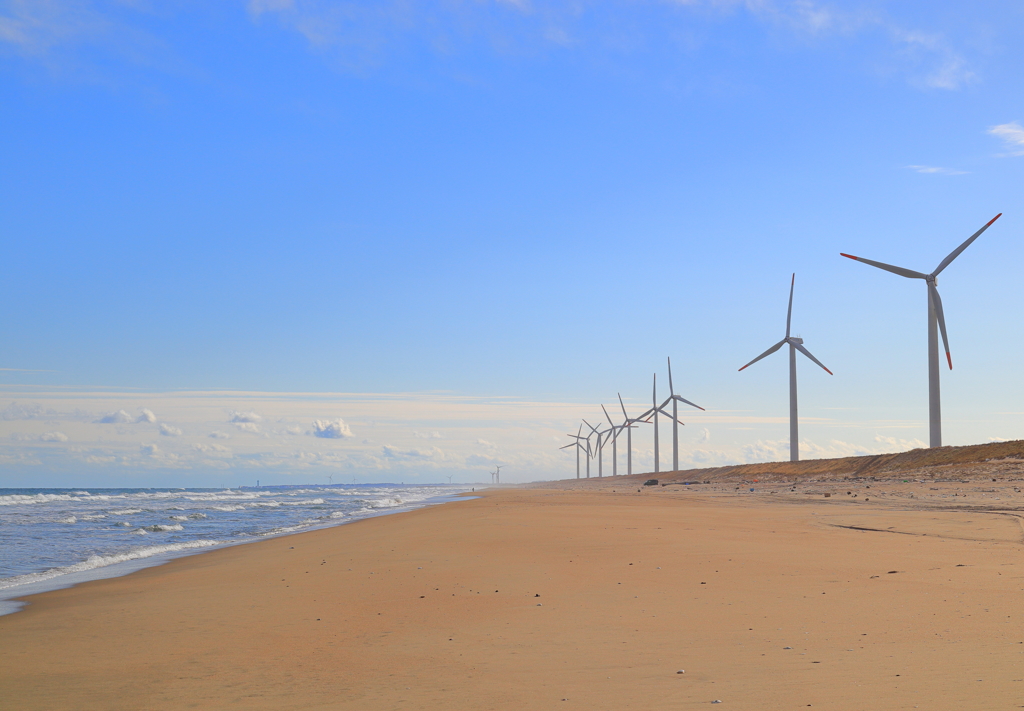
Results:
300 438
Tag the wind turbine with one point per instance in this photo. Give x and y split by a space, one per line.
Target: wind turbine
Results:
579 447
615 429
600 445
628 425
655 409
496 475
795 344
935 318
675 420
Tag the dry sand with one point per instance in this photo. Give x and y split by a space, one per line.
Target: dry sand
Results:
558 599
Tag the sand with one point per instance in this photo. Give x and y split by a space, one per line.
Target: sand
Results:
559 599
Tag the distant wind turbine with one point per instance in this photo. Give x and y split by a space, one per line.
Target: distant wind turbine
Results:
614 429
601 442
935 318
628 425
675 419
579 447
655 409
795 344
496 475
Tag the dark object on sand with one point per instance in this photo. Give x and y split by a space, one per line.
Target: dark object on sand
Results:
651 482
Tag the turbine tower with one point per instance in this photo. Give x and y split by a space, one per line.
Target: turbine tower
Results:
655 409
795 344
579 447
675 420
628 425
935 319
614 429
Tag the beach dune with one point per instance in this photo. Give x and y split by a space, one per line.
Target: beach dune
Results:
541 599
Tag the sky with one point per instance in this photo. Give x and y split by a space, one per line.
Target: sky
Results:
305 240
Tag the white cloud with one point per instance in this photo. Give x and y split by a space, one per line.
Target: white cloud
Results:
427 435
53 437
997 439
293 430
765 451
481 460
17 411
119 417
485 443
169 431
244 417
893 444
934 170
146 415
1012 135
219 435
212 448
251 427
331 429
705 436
396 453
150 450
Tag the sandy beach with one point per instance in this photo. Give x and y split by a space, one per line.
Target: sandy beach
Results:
546 598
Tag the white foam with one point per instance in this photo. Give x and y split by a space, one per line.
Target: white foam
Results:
163 528
98 561
126 512
179 518
67 519
14 499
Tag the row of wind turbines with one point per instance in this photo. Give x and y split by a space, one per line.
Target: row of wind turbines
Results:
936 325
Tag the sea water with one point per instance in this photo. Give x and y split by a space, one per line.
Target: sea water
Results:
52 538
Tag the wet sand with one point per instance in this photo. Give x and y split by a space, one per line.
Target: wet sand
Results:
544 598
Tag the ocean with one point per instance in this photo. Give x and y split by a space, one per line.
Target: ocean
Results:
53 538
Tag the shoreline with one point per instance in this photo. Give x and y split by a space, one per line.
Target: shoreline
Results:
11 597
533 598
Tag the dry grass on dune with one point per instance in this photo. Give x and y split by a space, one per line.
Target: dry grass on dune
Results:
976 460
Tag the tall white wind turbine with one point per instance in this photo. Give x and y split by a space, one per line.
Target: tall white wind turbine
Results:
628 425
579 447
795 344
655 409
935 319
675 419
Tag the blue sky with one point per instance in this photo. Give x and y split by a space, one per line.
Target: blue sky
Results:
486 201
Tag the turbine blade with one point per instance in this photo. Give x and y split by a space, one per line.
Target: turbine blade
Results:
933 294
622 406
592 428
571 444
688 402
654 391
909 273
646 414
808 354
607 417
789 314
768 352
670 390
956 252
